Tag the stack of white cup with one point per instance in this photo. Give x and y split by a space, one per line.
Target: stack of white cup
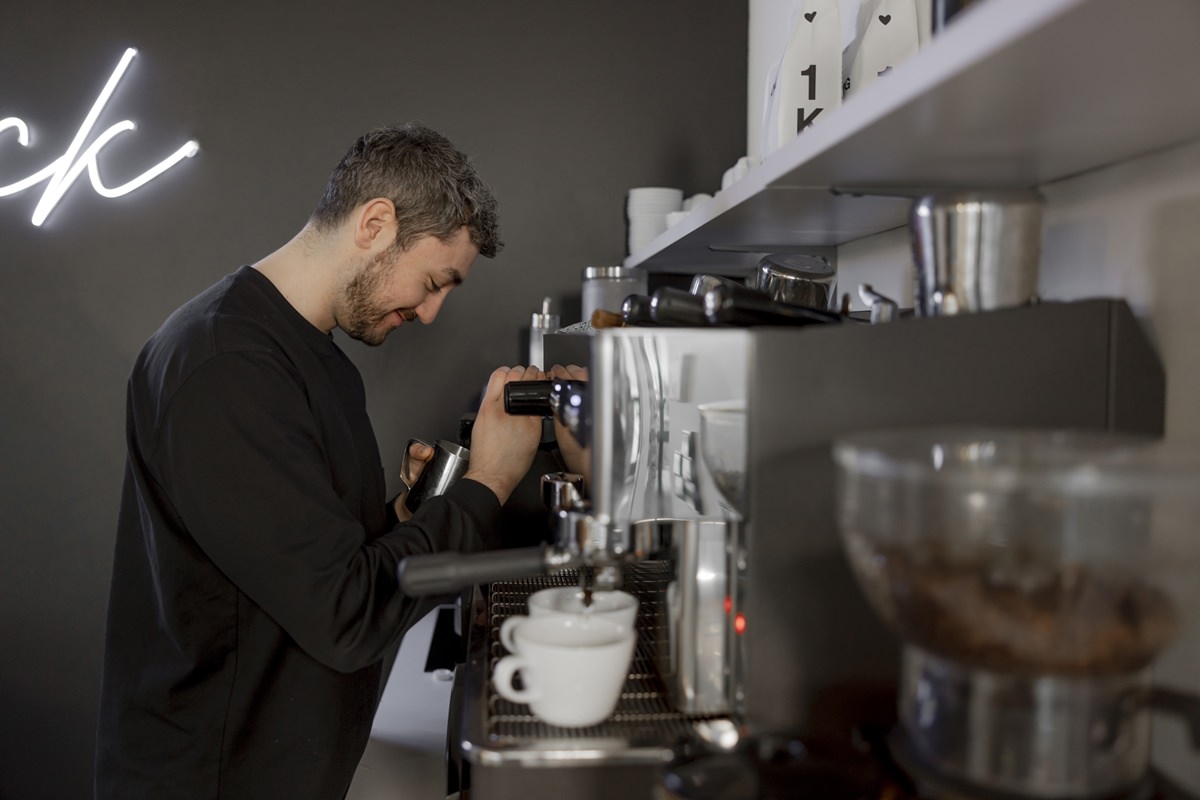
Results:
646 211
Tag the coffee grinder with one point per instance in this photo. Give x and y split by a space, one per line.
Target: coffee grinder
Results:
1030 575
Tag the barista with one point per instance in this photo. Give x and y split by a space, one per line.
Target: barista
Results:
254 598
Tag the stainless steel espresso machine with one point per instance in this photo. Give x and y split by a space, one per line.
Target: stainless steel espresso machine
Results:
712 497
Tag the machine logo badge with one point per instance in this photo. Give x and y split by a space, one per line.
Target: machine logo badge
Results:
63 171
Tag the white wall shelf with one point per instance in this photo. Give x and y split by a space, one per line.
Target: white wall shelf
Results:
1014 93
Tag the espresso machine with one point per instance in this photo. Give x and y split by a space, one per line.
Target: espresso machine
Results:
712 496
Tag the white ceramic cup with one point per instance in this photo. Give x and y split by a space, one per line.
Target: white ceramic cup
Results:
572 667
614 606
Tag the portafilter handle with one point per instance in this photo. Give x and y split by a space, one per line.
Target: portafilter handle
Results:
742 306
448 572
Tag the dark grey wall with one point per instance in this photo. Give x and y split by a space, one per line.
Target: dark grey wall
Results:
564 106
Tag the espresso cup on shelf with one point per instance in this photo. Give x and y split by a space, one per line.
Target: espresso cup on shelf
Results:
675 217
646 210
572 667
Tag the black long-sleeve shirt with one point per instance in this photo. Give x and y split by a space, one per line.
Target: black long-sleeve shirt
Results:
253 592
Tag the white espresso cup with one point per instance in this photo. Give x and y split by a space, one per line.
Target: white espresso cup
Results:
614 606
572 667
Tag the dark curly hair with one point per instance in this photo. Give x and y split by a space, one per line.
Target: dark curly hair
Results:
433 185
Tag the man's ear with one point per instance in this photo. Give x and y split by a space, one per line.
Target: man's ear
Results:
376 221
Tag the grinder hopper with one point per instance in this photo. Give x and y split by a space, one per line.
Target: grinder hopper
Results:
1031 576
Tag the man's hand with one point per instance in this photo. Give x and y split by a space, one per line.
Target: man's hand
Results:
412 465
415 460
503 445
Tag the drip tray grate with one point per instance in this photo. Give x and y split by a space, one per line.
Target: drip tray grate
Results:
643 716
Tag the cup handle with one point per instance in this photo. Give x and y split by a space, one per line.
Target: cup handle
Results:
506 632
406 464
506 669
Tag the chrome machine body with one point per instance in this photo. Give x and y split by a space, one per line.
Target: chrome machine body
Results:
655 493
760 626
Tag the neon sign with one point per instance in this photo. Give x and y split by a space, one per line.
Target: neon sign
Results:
63 171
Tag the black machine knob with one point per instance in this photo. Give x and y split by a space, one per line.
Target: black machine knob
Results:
567 401
537 398
529 398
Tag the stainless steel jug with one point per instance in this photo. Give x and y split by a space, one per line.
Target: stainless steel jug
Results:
975 251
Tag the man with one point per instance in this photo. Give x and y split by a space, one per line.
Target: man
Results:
254 594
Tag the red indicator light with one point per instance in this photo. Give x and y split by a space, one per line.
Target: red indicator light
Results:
739 624
728 604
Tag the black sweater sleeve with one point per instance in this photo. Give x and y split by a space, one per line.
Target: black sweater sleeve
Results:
267 491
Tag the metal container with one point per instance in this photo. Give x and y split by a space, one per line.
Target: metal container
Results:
448 464
798 279
541 323
975 251
605 288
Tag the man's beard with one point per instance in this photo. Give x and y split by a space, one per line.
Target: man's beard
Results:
358 314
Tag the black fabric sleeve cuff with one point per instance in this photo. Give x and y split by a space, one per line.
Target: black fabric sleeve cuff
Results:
462 519
479 502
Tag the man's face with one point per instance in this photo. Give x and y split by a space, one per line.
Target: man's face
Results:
398 286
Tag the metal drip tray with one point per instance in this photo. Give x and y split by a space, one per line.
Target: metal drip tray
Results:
643 727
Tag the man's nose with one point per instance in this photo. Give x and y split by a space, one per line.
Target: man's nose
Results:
428 310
